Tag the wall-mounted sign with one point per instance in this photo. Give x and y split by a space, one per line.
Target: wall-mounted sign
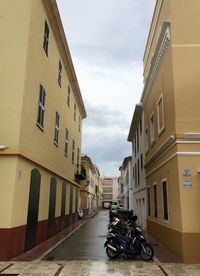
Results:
187 172
187 182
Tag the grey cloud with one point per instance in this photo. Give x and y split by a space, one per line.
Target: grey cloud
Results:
106 146
102 116
109 32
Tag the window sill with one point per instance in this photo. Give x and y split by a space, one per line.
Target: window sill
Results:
153 143
40 127
59 83
46 52
56 144
166 221
160 132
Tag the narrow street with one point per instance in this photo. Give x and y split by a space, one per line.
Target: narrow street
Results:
83 254
85 244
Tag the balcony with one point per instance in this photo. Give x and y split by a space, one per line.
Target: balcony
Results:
80 174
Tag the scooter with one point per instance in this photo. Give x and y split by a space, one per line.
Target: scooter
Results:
117 244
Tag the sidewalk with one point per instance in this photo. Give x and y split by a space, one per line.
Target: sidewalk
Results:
48 245
97 268
161 254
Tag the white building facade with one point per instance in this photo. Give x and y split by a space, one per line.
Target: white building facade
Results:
137 138
126 177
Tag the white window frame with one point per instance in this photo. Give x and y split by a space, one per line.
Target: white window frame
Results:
73 151
146 140
41 108
152 128
160 130
74 111
79 124
165 220
68 95
78 158
149 202
155 184
56 131
59 73
66 141
46 38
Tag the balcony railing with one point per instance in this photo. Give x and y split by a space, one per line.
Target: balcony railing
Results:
80 174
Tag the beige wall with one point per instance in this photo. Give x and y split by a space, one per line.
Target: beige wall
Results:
8 175
24 66
15 178
190 196
163 85
13 48
161 13
168 172
44 70
178 81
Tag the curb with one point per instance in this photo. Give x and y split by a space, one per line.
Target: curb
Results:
42 257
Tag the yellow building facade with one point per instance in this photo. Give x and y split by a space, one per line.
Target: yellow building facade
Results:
40 140
91 187
170 99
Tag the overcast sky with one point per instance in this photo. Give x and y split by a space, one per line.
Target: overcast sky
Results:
107 39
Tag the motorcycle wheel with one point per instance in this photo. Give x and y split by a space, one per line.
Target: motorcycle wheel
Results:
148 253
111 253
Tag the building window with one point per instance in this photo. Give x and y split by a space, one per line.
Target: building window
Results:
155 201
152 128
78 157
59 73
79 124
138 170
140 126
160 113
141 161
149 203
56 132
73 151
68 96
66 141
146 140
41 107
165 200
136 176
122 189
74 112
127 177
137 134
46 38
133 172
135 142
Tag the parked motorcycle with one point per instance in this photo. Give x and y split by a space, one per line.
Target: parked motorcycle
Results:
121 226
131 244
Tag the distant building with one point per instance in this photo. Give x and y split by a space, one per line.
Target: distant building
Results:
91 187
126 179
136 136
120 197
110 189
41 111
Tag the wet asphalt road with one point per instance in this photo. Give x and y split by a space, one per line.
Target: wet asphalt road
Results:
87 243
